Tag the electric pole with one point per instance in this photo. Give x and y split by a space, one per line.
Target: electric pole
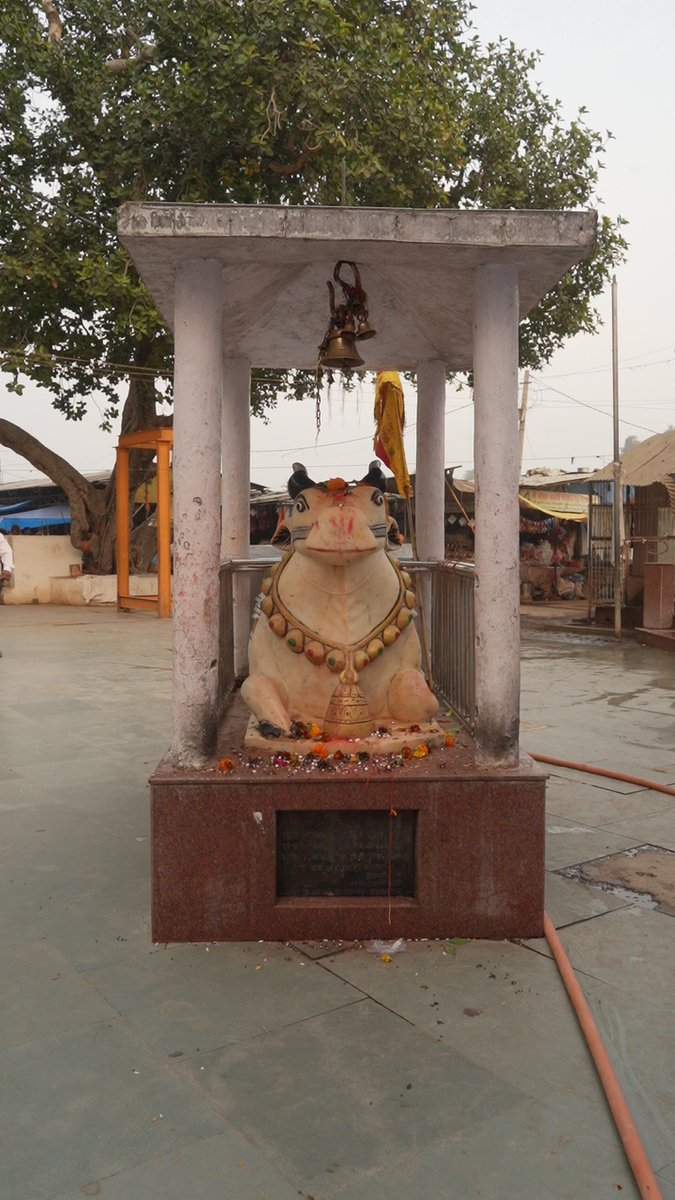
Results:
617 507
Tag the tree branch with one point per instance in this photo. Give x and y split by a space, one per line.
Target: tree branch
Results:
83 497
118 65
296 166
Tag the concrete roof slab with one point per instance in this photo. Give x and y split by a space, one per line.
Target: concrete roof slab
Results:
416 266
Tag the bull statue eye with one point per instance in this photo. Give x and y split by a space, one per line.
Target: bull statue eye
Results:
377 497
301 505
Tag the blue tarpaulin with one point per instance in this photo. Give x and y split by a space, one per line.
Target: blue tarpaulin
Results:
20 506
36 518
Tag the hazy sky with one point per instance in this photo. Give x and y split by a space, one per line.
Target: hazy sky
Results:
615 58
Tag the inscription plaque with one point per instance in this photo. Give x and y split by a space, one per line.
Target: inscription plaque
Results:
346 853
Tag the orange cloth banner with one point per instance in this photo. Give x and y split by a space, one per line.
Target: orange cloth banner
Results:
389 423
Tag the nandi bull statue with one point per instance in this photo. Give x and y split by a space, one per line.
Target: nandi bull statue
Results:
335 644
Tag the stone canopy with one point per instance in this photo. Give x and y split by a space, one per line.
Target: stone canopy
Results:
417 267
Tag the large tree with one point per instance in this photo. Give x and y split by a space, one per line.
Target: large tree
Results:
245 101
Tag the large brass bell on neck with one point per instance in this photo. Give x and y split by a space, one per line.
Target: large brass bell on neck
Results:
340 353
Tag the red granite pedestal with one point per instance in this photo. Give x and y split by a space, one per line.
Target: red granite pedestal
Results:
438 847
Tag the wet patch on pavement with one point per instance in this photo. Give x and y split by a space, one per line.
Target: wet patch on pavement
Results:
642 875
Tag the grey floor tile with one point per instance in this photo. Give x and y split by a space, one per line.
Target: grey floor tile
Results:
499 1005
225 1167
336 1098
52 850
93 929
668 1173
197 997
596 806
42 995
599 782
657 829
631 948
639 1035
568 843
527 1153
569 900
85 1104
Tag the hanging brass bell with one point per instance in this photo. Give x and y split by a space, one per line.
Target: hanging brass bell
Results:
365 329
341 353
348 325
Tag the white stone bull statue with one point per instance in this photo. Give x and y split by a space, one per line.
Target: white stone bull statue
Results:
335 644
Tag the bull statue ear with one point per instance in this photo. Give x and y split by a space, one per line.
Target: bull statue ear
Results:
375 476
299 480
394 535
282 535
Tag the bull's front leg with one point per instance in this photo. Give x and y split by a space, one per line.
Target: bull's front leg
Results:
410 698
267 700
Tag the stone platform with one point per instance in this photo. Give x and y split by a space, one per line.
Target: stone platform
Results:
373 848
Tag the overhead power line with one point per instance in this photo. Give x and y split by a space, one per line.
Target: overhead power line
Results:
593 407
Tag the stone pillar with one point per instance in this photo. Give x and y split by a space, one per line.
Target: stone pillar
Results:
236 494
497 514
430 474
197 419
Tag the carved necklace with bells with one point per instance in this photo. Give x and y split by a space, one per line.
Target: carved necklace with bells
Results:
339 657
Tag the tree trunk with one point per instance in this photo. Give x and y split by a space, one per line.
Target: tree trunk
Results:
92 509
87 503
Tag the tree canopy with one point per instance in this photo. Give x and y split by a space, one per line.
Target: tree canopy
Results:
252 101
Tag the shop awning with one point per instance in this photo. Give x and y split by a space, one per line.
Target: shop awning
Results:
566 506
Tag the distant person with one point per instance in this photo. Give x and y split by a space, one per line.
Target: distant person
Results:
6 563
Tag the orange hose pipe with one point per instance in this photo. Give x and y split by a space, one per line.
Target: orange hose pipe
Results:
630 1138
585 767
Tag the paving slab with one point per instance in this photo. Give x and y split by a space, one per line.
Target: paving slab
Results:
193 998
335 1098
89 1103
589 805
631 948
527 1153
569 900
568 843
658 828
42 994
639 1034
65 854
499 1005
224 1167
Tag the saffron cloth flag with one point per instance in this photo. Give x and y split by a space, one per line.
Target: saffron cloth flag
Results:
389 422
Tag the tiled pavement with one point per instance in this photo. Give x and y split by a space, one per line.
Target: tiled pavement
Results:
271 1072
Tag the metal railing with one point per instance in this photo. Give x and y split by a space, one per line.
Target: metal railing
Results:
451 634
